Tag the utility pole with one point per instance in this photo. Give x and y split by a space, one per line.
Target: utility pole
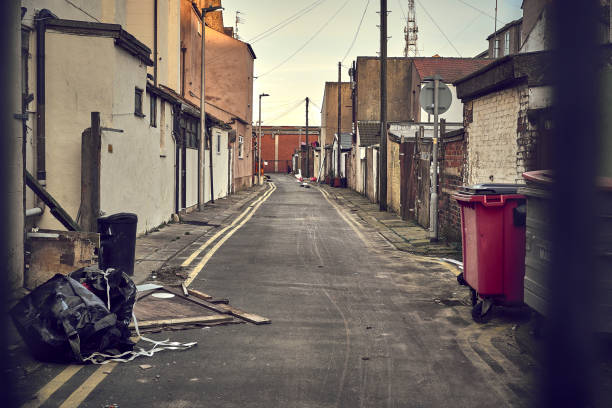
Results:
259 142
307 172
338 173
495 43
382 163
433 202
201 159
11 154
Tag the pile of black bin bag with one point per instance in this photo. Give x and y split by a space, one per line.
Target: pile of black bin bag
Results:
66 319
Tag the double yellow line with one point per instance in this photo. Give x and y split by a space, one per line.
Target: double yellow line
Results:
233 227
80 394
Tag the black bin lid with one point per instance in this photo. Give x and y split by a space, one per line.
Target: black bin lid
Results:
120 218
491 189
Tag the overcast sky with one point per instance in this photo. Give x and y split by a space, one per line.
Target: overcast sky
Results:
306 73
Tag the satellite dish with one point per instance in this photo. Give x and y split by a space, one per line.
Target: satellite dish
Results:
426 99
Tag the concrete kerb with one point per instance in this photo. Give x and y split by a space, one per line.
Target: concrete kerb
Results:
158 248
403 235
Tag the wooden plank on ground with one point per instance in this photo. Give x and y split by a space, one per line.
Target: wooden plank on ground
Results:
182 321
249 317
221 308
199 294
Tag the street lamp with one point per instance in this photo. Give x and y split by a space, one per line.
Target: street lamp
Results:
203 112
259 142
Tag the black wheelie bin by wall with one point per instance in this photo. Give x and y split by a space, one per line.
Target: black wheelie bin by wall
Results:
118 242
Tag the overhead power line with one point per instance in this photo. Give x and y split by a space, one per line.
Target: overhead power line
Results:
439 28
307 41
357 32
294 17
285 113
484 13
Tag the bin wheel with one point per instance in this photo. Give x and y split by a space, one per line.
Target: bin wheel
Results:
461 280
479 316
473 297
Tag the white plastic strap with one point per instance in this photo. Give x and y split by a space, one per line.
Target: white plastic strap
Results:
101 358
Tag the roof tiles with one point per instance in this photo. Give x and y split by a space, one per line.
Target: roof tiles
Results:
450 69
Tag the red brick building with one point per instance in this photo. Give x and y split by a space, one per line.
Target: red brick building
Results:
279 143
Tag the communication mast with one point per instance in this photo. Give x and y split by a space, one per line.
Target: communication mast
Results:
411 32
239 20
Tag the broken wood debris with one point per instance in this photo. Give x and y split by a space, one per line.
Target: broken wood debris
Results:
183 311
186 320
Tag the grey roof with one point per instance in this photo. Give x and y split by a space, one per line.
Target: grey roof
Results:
369 133
346 140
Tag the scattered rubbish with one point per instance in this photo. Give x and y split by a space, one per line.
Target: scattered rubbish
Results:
168 308
112 406
147 286
62 321
184 288
194 379
145 366
458 264
106 372
171 274
162 295
13 347
368 327
365 358
514 327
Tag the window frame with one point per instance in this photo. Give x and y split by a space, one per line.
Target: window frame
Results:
152 110
507 42
218 142
240 147
496 49
138 93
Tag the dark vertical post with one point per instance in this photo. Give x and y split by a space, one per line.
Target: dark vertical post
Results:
382 163
307 172
91 145
338 174
570 353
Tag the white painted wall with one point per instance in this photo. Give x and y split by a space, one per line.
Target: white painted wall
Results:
192 177
86 74
71 95
220 166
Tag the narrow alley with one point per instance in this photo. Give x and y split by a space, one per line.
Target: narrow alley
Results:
355 322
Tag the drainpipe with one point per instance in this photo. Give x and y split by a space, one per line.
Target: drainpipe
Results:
155 57
41 27
177 161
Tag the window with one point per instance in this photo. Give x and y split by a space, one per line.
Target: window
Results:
138 103
496 48
218 143
240 147
153 110
191 131
507 43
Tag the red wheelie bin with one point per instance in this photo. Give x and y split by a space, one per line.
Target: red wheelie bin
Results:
493 236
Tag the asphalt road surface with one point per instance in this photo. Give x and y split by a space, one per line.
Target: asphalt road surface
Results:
355 323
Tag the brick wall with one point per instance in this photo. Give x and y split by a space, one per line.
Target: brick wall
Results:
491 124
451 177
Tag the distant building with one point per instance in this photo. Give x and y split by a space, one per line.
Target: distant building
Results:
279 143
